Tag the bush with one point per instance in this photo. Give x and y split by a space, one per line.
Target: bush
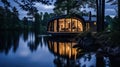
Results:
115 37
115 25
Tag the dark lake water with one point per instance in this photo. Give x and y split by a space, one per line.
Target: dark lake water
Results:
29 49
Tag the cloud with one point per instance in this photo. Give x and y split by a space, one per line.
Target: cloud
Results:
110 12
22 14
40 7
110 9
109 6
44 8
48 7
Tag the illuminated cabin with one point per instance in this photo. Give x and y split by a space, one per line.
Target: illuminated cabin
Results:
66 25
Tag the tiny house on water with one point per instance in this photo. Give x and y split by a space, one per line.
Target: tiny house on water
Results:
67 25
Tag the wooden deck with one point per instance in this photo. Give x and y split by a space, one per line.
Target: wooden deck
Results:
64 33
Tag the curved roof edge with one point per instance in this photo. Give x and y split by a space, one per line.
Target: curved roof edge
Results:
66 16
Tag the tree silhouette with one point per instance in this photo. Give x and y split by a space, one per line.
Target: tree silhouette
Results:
28 5
66 6
100 14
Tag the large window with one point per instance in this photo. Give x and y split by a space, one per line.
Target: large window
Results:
55 25
68 25
61 25
80 26
74 25
50 27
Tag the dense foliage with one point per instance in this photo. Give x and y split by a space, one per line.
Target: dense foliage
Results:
72 6
9 19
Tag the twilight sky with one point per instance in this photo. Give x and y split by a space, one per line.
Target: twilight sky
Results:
109 9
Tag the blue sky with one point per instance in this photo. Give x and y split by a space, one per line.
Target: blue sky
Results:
109 9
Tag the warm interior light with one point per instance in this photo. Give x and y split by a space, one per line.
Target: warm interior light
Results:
66 25
64 49
94 23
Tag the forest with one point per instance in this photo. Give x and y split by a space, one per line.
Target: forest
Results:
29 38
10 20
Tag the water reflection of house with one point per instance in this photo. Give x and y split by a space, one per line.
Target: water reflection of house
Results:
64 53
70 24
64 49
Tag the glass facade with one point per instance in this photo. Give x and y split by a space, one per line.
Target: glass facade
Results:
65 25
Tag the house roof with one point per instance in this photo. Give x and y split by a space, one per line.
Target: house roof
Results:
66 16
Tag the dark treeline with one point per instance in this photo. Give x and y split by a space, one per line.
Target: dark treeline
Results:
9 15
9 20
41 21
